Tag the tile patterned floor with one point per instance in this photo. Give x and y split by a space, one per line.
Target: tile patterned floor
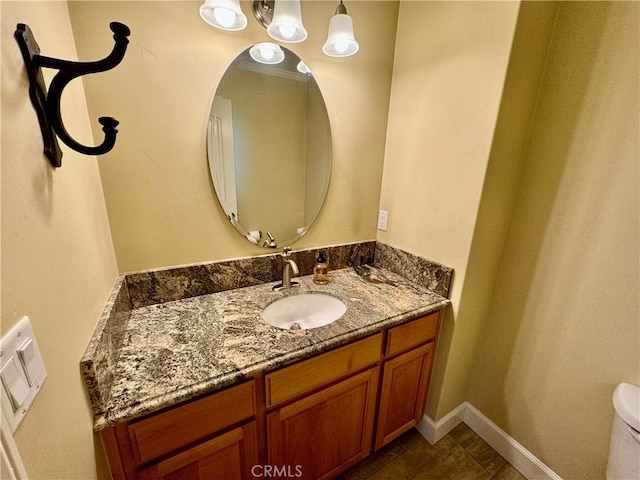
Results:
460 455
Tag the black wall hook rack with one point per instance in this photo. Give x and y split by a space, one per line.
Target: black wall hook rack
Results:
47 105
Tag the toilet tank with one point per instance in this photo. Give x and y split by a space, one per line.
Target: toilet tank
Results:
624 449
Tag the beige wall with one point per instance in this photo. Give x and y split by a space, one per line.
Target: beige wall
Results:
160 200
563 324
58 264
449 71
526 65
543 202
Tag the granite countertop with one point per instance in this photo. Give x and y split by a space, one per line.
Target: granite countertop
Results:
179 350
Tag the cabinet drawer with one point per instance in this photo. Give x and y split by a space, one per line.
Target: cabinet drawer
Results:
168 431
230 455
309 374
404 337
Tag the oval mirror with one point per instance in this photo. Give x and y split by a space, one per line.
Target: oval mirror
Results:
269 146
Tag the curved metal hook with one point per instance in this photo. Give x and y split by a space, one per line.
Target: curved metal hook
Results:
48 105
69 71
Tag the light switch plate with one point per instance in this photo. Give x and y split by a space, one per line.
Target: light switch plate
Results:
383 217
29 359
21 370
14 383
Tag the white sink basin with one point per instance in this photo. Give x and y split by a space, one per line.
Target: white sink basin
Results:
306 310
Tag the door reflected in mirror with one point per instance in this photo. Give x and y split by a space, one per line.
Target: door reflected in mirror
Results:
269 148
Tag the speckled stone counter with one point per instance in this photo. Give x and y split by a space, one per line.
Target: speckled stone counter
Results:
180 350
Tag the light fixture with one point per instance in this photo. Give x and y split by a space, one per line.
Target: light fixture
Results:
267 53
283 21
340 42
286 24
223 14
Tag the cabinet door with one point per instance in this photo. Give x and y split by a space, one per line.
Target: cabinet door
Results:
228 456
325 433
405 380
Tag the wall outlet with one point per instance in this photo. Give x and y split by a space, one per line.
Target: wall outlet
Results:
383 217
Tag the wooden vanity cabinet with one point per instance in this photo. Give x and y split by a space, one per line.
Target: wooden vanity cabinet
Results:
309 420
403 393
322 434
406 370
230 455
217 433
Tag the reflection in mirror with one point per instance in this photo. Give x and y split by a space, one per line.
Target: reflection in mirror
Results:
269 148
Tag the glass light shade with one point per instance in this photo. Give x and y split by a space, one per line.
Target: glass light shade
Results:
267 53
223 14
340 41
286 25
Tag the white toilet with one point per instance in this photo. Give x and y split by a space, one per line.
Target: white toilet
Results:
624 450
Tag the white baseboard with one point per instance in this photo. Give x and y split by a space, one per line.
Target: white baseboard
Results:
517 455
434 431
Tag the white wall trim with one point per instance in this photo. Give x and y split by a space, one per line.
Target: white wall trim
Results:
12 465
434 431
517 455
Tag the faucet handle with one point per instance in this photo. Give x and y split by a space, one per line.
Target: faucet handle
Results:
286 251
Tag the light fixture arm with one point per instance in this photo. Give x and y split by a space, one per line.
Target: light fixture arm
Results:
263 11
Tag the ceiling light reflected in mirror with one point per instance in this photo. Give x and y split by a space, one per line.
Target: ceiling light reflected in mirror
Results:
267 53
303 68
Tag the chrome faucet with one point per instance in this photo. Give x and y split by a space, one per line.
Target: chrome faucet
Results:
289 267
